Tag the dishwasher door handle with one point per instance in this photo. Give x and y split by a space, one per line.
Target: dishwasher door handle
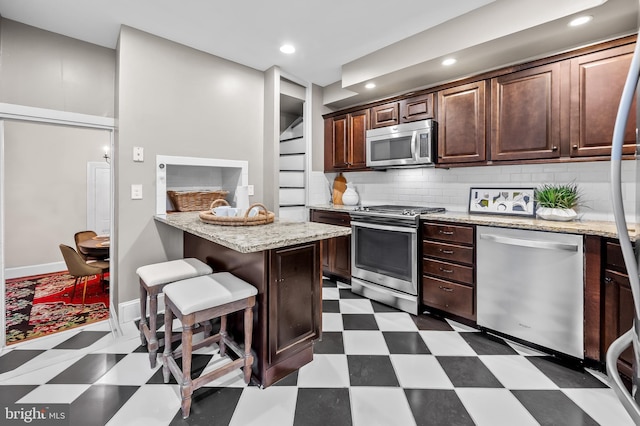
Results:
547 245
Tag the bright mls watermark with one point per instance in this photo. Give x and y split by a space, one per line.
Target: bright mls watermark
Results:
35 414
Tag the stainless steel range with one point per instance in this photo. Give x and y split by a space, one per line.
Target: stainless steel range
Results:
384 247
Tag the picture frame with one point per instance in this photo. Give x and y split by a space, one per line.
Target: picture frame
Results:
503 201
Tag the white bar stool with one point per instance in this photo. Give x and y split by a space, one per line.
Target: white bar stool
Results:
153 278
202 299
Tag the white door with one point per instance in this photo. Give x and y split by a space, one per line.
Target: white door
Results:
99 197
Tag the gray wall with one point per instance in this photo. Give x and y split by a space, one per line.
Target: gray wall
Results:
42 69
46 188
174 100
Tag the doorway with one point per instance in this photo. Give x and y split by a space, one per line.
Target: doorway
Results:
45 159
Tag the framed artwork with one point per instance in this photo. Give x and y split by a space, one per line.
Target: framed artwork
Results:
505 201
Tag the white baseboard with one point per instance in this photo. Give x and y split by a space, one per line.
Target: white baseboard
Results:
28 271
130 310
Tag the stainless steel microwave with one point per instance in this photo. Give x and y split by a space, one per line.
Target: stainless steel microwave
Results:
403 145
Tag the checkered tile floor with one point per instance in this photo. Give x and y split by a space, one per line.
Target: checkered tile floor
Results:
374 366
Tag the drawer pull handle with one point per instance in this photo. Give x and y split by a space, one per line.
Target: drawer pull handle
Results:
445 232
446 251
446 288
448 271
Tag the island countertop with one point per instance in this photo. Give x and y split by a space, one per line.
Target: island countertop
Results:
249 239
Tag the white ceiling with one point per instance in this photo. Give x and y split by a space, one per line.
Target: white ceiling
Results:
343 40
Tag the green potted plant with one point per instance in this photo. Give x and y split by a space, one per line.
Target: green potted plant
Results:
557 201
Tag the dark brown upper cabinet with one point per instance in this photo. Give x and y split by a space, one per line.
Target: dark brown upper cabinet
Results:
404 111
461 124
344 141
525 114
385 115
597 80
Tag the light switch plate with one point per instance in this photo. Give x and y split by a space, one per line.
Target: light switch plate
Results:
138 154
250 190
136 192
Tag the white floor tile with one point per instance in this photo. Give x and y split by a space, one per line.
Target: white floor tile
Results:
129 329
42 375
420 372
150 405
516 372
602 405
132 370
121 345
330 293
233 379
494 407
446 343
332 322
273 406
325 371
355 306
53 394
342 285
46 342
395 321
373 406
364 343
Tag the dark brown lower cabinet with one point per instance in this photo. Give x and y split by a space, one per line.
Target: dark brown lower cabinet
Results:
288 313
336 252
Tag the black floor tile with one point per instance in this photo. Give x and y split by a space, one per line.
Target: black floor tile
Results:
17 357
437 407
381 307
98 404
326 282
323 407
331 306
82 340
562 376
552 408
405 342
487 344
468 371
346 293
359 322
331 343
371 370
9 394
198 364
430 322
290 380
210 406
87 369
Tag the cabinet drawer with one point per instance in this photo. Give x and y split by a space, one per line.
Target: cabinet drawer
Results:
451 252
614 259
448 271
453 233
331 218
447 296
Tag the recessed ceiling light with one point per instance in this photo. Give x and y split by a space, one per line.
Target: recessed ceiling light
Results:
449 61
370 85
287 48
580 20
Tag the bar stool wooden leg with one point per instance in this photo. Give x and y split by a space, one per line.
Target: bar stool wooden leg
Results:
186 387
153 340
168 321
143 314
223 334
248 331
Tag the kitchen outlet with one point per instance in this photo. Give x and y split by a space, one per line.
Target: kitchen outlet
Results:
250 190
136 192
138 154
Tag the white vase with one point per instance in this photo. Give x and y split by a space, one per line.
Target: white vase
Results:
561 215
350 196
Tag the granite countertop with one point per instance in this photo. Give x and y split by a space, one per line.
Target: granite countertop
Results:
584 227
249 239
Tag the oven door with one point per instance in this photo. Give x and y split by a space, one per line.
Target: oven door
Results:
385 255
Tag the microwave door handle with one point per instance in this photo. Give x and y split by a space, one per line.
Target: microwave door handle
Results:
414 143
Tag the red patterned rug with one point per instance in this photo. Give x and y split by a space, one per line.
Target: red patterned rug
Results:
40 305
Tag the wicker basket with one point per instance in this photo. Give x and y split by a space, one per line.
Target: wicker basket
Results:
192 201
263 217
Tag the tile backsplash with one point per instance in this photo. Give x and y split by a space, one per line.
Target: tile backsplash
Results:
449 188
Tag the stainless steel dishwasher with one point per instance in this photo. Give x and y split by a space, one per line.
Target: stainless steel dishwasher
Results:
530 286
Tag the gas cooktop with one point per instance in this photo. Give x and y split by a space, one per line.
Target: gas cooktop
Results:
399 210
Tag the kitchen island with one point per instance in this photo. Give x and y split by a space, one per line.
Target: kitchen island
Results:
282 260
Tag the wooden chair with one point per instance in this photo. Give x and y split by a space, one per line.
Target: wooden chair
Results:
202 299
80 269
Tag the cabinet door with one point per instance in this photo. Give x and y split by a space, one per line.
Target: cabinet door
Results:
461 124
416 108
596 87
341 256
525 119
384 115
294 299
336 143
618 315
358 125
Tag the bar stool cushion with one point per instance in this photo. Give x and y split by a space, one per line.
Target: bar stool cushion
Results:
207 291
173 270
